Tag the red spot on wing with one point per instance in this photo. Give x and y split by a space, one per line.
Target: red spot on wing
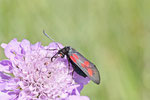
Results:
90 72
75 56
86 63
73 59
83 65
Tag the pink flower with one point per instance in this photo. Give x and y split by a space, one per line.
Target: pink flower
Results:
28 73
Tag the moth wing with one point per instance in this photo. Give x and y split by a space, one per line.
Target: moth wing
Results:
85 65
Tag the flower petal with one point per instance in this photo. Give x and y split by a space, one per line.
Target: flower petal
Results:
4 45
5 96
4 76
12 48
81 80
25 44
74 97
5 66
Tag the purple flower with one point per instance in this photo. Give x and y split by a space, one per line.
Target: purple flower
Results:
29 74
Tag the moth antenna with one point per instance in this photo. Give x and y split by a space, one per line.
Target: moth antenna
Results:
50 38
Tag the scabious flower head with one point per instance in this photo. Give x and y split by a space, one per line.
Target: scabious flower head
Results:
29 73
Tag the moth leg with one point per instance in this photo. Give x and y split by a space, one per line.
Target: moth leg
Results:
68 63
73 73
55 56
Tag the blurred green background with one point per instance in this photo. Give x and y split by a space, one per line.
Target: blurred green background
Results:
113 34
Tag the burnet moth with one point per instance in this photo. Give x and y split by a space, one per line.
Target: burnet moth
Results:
80 64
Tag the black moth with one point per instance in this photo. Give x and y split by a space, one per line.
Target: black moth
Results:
80 64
